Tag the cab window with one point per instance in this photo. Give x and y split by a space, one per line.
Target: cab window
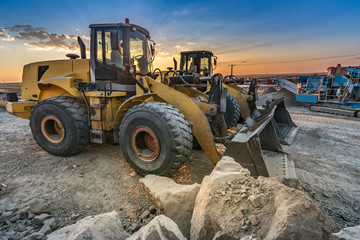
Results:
190 63
111 52
99 56
139 52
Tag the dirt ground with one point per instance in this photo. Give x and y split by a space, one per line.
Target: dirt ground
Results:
95 181
99 180
326 156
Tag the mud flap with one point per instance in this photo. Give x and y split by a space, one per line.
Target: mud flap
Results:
258 149
284 126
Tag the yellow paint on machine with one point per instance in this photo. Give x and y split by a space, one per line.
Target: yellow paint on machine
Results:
20 109
40 76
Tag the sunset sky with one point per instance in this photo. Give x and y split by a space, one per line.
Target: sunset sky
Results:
259 36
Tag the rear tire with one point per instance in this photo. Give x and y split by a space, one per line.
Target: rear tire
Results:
60 125
155 138
232 113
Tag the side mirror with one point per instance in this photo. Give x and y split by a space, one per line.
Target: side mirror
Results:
215 62
175 63
152 48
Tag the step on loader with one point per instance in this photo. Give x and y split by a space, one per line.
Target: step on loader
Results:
73 102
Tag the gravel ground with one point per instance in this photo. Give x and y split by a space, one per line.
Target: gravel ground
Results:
99 180
326 156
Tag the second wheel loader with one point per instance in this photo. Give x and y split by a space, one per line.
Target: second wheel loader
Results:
73 102
203 63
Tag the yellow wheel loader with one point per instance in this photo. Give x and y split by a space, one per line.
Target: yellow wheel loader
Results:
203 64
73 102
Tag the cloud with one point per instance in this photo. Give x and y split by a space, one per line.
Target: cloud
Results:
5 36
57 41
41 39
28 32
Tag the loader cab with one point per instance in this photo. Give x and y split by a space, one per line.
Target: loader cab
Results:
202 62
118 53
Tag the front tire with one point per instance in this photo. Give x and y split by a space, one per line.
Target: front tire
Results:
232 113
60 125
155 138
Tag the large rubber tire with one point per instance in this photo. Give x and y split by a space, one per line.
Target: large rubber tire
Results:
73 135
232 113
170 131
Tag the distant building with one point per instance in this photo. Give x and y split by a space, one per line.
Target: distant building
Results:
338 70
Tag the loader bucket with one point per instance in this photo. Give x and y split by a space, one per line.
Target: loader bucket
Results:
258 149
284 126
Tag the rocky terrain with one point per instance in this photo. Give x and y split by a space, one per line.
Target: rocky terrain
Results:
58 191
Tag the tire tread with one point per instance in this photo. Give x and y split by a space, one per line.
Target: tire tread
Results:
180 129
78 112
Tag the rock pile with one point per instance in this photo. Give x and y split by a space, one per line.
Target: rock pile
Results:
229 204
29 222
232 205
171 199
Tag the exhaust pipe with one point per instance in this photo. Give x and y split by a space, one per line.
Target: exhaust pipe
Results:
175 64
82 48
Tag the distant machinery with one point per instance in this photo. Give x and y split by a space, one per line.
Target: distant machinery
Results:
338 94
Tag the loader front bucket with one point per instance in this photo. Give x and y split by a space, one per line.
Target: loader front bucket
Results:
258 149
284 126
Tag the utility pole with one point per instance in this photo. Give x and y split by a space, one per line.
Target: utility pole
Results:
232 65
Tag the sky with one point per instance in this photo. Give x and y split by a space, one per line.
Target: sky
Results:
258 36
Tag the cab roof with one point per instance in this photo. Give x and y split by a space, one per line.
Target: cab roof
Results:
198 51
118 25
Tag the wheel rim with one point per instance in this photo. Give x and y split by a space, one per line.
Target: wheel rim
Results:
52 129
145 143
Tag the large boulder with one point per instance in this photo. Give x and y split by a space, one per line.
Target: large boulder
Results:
100 227
160 228
233 205
171 199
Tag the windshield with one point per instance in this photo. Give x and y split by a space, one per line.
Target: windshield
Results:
205 63
139 52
